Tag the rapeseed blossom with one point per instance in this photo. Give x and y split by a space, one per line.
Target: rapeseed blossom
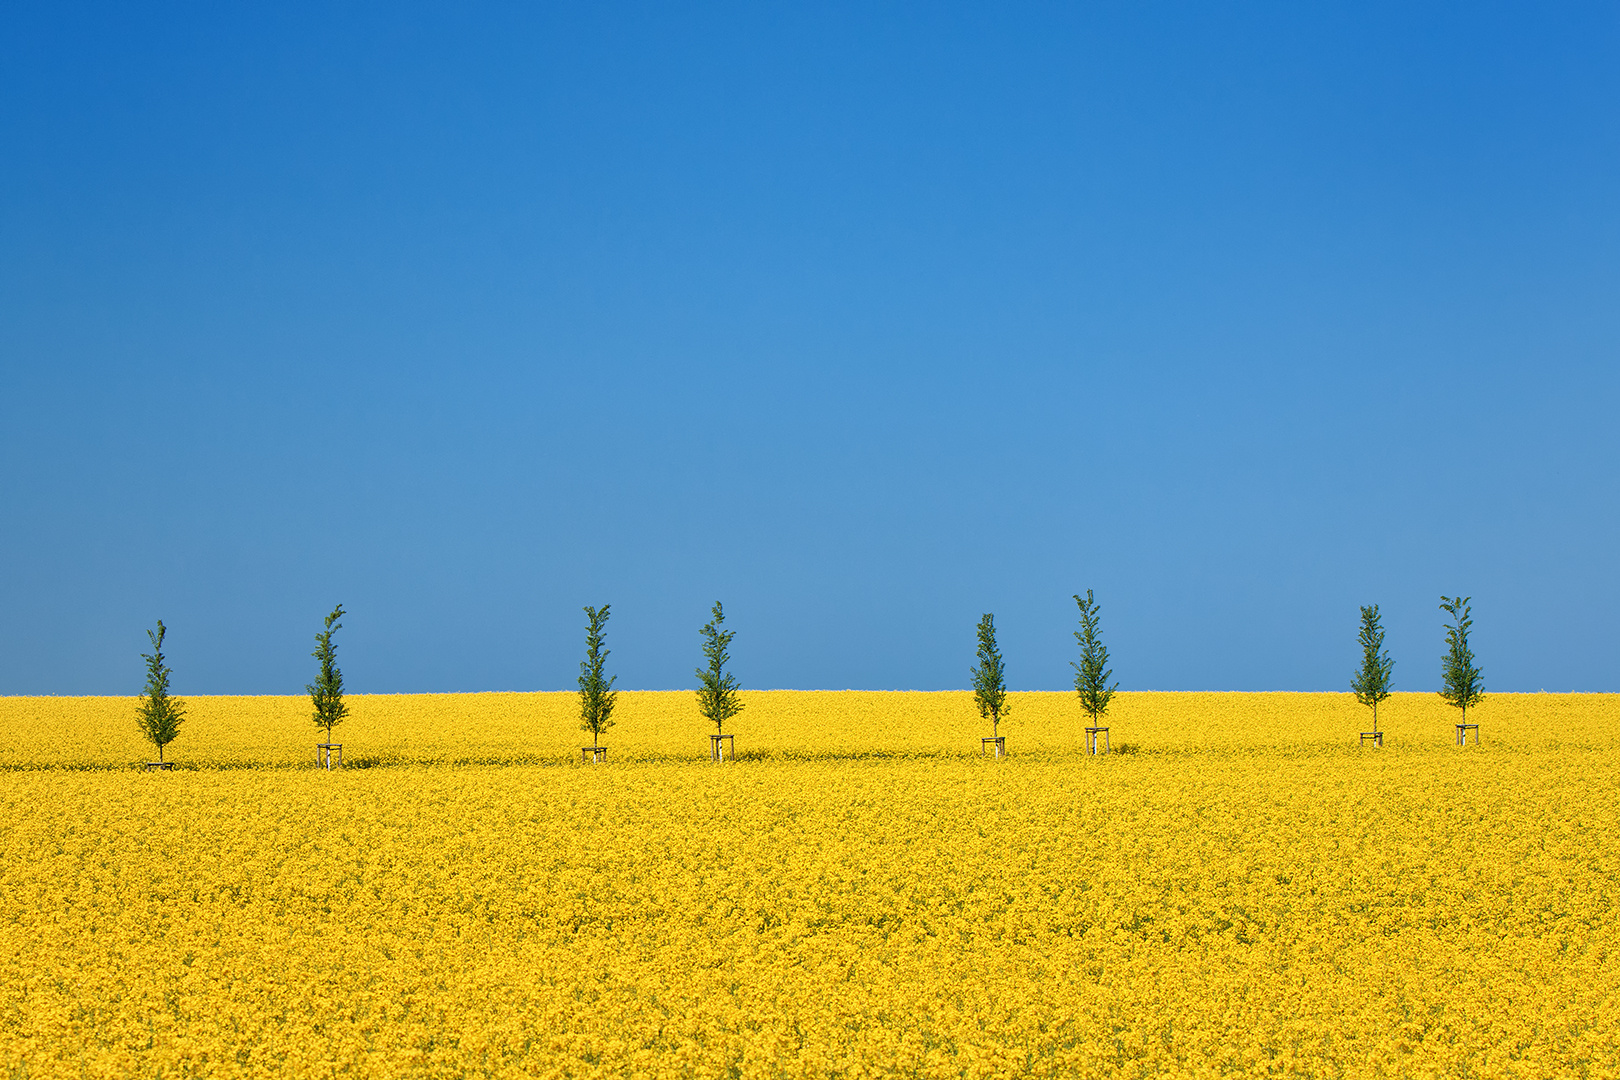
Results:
861 894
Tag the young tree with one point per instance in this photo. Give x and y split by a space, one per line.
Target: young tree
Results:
1371 686
1092 672
717 689
158 714
1463 683
990 676
327 690
596 694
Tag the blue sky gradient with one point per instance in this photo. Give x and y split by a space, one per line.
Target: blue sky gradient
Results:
864 319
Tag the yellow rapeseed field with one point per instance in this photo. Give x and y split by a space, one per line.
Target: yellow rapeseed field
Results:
1246 892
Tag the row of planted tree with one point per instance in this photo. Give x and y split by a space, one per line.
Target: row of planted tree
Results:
718 693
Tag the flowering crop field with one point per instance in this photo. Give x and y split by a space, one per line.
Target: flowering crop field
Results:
1246 892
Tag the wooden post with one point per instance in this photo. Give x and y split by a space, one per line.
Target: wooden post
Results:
323 754
592 755
996 742
1091 739
719 745
1462 734
1377 738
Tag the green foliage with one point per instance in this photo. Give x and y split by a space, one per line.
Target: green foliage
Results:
596 694
1092 672
327 691
1463 683
1372 684
990 676
717 690
159 715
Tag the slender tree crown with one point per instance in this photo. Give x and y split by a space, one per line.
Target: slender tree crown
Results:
596 693
1091 674
158 714
717 689
326 692
1372 684
990 676
1463 682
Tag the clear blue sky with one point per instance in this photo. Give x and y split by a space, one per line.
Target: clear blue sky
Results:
865 319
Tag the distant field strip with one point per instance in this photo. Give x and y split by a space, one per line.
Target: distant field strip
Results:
511 728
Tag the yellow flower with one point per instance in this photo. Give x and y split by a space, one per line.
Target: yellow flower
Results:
860 894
